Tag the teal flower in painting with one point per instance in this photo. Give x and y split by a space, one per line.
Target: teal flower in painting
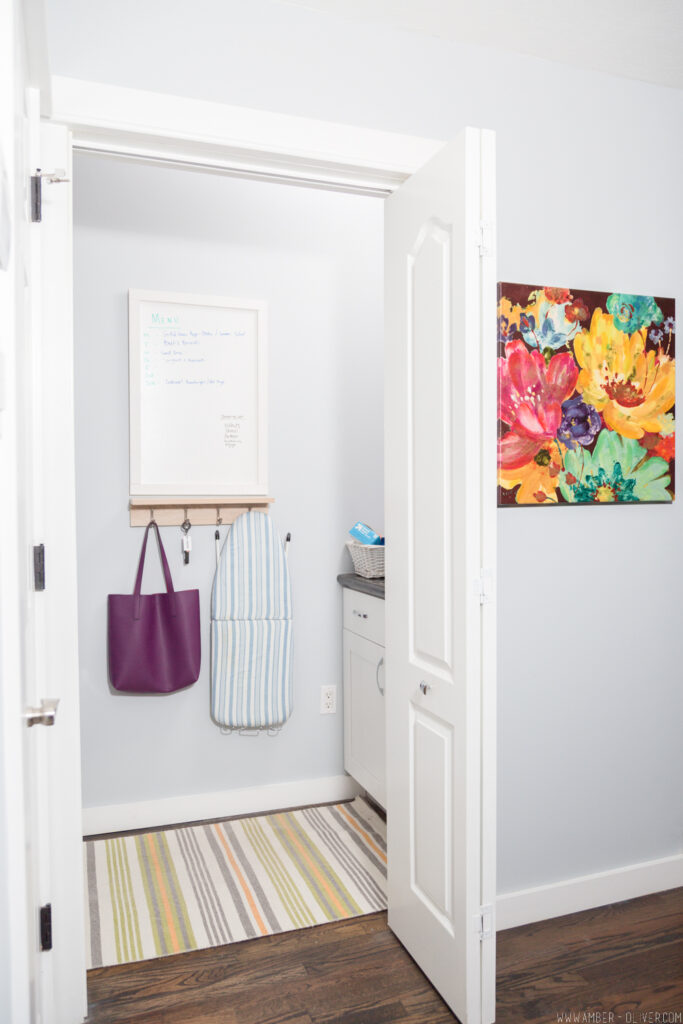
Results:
631 312
605 488
617 470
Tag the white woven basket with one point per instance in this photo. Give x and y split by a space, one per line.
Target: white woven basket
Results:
368 559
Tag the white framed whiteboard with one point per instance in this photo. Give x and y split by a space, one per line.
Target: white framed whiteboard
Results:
198 392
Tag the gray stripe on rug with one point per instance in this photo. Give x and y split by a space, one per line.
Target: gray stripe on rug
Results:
199 888
219 854
379 839
339 818
360 875
93 906
217 902
251 875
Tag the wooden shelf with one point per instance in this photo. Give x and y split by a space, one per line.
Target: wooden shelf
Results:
200 511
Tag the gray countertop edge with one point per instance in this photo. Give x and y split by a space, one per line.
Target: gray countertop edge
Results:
352 581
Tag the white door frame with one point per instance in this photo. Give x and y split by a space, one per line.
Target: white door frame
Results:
234 140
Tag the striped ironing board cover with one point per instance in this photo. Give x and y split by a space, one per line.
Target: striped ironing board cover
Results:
251 628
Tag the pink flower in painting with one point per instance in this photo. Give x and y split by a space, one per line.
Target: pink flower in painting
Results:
530 397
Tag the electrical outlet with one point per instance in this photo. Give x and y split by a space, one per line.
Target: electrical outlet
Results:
328 700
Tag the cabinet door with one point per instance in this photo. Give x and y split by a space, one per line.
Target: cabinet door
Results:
364 732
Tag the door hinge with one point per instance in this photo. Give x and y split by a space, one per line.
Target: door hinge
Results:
46 714
39 567
37 179
46 927
485 238
483 586
485 922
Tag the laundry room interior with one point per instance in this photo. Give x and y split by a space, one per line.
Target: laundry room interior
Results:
315 258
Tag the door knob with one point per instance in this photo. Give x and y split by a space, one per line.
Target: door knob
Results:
424 687
44 715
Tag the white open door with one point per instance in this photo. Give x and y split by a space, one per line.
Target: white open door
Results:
440 528
38 639
52 759
60 615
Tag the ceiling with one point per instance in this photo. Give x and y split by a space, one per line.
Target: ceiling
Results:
641 39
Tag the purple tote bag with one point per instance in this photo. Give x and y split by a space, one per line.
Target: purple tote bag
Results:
154 639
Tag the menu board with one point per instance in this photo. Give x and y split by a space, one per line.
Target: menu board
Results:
197 378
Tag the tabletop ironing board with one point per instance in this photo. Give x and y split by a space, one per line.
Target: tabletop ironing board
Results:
251 628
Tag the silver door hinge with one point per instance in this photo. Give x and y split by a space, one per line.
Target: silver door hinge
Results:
485 922
484 586
44 715
485 238
52 178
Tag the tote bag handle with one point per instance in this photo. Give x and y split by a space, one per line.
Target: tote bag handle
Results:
167 573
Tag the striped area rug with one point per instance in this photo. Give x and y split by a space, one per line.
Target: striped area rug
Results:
173 890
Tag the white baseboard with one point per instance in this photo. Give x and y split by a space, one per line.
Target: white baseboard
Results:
575 894
223 804
512 909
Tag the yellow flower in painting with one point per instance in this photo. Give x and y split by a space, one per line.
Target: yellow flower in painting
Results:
631 387
539 478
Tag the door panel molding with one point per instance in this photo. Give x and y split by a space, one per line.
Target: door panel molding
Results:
429 265
431 812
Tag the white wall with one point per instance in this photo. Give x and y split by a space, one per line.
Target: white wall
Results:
316 258
591 646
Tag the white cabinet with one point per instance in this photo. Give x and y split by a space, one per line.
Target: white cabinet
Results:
364 680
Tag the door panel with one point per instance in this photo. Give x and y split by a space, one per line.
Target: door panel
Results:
428 326
431 764
435 551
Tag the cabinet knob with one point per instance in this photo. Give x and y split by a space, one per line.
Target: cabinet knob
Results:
360 615
424 688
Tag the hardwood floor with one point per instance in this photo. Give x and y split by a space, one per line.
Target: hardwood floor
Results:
626 958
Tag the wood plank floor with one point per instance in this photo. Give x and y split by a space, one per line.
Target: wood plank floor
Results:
626 958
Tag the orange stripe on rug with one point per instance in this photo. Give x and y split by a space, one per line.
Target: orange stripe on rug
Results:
315 870
163 892
366 836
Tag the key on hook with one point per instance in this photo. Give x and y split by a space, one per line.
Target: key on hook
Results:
186 526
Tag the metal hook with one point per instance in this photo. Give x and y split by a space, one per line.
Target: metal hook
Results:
219 518
185 527
151 515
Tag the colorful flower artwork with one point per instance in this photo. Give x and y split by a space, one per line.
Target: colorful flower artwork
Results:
586 393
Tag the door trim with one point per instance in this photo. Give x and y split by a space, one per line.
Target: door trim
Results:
236 140
218 138
489 549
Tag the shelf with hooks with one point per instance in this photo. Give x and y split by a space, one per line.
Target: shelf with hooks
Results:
199 511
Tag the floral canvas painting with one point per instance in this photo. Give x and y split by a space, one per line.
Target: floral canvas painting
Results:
586 393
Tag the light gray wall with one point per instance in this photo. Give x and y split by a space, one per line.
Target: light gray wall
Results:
316 258
591 644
